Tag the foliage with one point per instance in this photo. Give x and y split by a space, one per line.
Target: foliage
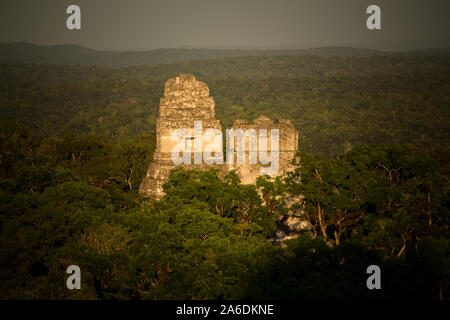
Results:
336 103
372 181
74 200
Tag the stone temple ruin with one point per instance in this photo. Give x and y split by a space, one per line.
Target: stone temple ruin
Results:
187 100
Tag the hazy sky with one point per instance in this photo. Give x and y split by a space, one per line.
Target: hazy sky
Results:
149 24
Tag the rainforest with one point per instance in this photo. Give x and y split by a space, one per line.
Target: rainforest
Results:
371 178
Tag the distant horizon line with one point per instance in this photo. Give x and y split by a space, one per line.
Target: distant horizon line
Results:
241 48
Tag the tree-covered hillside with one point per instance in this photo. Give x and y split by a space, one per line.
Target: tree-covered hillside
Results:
74 200
22 52
335 102
371 183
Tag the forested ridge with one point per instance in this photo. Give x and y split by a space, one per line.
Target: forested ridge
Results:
334 102
23 52
75 143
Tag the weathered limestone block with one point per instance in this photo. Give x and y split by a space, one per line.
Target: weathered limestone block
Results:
288 146
187 100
